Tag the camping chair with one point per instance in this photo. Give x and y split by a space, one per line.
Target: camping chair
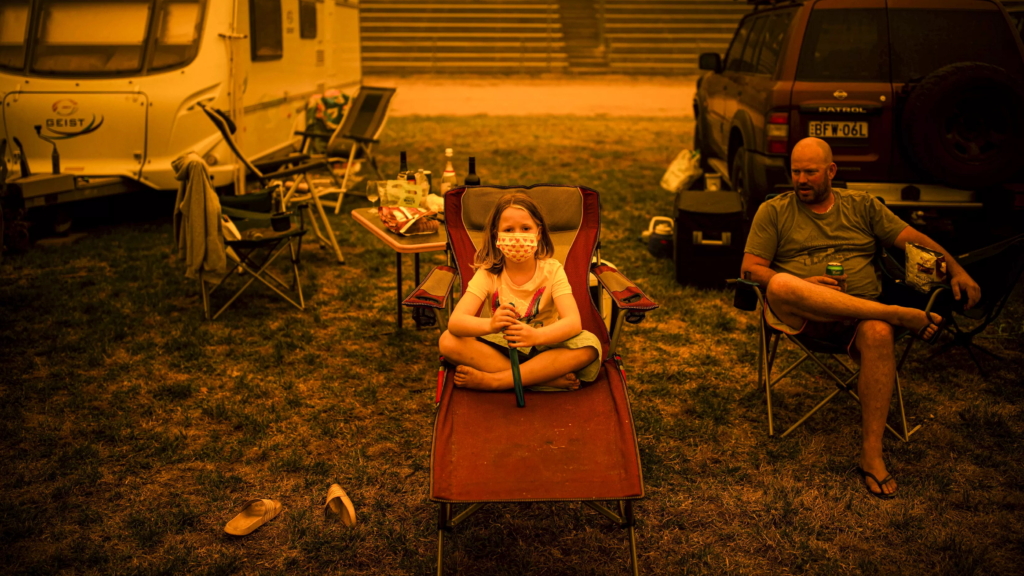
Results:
256 237
997 269
300 172
363 122
257 249
813 349
485 448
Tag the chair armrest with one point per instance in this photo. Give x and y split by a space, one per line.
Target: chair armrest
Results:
748 294
300 169
312 134
273 165
239 214
435 289
625 294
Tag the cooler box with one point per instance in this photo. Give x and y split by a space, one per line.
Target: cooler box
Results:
710 234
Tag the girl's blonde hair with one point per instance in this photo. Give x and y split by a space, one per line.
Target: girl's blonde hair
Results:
489 257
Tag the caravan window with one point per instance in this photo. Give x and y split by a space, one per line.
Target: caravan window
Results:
177 34
307 19
13 32
91 37
265 26
111 37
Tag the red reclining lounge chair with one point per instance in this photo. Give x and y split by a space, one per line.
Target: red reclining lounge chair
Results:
485 448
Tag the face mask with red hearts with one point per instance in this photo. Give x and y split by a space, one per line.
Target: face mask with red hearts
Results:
517 246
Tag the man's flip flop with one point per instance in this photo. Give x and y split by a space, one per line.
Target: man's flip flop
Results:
938 329
338 504
864 475
255 513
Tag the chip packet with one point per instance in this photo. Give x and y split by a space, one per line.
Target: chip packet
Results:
926 268
408 221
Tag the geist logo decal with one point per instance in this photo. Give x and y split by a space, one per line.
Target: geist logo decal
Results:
67 125
65 107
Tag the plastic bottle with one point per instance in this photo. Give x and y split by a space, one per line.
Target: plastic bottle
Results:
448 178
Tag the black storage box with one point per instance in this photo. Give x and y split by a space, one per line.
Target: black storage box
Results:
710 235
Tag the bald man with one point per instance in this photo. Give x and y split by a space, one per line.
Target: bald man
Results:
793 237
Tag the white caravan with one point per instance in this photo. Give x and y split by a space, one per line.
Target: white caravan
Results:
114 84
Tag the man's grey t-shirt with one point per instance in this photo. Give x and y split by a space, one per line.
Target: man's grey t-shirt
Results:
800 242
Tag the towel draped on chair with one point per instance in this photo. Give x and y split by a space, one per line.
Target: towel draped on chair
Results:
198 231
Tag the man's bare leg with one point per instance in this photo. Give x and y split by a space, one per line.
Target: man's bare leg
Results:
793 300
875 383
551 368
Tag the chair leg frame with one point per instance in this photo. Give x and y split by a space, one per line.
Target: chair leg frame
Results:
368 149
257 271
326 237
767 350
624 518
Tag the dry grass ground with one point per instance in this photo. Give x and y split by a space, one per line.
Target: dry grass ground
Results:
131 429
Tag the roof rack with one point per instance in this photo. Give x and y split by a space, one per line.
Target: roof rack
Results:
771 3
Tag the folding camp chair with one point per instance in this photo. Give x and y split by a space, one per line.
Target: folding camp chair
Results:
302 166
814 349
255 253
997 269
485 448
256 237
358 131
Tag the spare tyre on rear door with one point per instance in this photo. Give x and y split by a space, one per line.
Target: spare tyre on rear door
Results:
964 126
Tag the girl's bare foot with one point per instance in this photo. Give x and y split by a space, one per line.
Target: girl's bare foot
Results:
467 377
924 325
567 382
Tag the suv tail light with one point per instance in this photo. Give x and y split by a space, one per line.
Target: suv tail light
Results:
777 133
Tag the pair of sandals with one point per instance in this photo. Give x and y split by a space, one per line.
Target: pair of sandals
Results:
257 512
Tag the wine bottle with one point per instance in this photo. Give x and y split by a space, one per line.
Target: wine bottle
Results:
448 178
403 165
472 179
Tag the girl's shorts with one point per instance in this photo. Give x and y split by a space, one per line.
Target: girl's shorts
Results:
587 374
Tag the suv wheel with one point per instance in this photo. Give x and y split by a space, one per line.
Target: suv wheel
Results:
739 176
963 125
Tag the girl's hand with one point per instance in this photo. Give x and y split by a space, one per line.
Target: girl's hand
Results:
503 317
521 335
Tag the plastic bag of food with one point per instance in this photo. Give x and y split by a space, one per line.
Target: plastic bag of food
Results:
408 221
926 268
682 172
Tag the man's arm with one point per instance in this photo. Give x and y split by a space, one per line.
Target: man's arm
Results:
960 280
756 269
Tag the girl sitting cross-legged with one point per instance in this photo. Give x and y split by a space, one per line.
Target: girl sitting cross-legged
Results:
531 309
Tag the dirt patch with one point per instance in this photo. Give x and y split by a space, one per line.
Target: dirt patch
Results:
606 95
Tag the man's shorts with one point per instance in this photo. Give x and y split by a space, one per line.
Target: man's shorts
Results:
582 340
841 333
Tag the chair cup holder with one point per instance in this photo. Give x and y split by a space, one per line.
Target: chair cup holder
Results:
281 222
745 299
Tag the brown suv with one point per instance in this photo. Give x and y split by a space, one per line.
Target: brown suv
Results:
921 100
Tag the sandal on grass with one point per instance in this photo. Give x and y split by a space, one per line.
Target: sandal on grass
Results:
339 505
864 475
254 513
